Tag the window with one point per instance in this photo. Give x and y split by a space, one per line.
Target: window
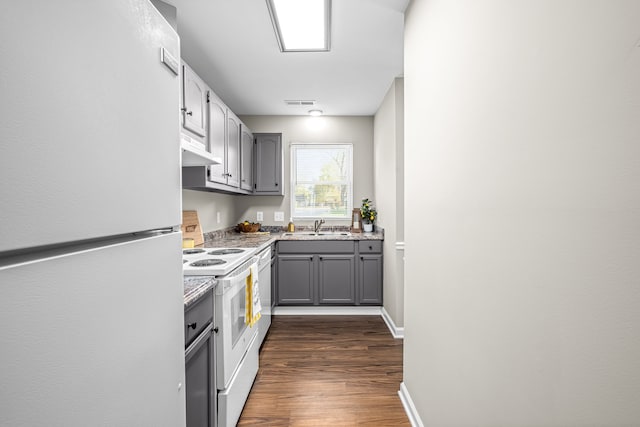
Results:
322 176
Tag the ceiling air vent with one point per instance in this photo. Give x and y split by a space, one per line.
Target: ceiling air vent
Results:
300 102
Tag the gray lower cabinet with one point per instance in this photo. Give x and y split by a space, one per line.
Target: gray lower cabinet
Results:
370 272
200 382
329 273
295 280
200 379
370 279
336 274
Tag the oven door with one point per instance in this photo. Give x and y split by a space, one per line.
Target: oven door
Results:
234 335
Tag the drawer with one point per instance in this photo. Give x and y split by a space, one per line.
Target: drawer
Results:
197 317
316 247
370 246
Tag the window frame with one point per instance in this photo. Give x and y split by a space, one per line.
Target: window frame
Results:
294 147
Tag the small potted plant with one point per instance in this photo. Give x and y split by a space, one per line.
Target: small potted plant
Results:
369 215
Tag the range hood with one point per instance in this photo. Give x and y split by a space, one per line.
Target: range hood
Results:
194 153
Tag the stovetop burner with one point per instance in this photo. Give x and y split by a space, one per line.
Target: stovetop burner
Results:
214 261
192 251
207 262
227 251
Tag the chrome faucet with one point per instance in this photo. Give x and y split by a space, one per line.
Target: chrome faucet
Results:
317 225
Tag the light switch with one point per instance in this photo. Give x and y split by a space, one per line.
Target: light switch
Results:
278 216
259 217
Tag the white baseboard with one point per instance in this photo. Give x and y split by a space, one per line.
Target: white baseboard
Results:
409 407
331 311
397 332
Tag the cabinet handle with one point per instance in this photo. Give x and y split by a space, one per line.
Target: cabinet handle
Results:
215 329
370 248
192 325
189 113
229 175
276 184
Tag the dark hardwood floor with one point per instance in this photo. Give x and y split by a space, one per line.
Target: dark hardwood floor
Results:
327 371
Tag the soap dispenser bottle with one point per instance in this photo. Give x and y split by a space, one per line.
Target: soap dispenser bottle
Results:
291 227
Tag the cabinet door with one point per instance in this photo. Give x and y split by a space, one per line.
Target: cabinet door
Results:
233 149
370 280
246 159
194 96
217 137
336 279
295 280
200 382
268 164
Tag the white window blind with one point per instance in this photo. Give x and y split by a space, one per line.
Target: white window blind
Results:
322 176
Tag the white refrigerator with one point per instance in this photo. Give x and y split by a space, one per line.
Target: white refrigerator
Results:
91 297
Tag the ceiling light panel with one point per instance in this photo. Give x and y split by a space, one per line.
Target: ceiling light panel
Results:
301 26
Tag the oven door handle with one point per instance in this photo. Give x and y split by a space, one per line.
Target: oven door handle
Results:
237 274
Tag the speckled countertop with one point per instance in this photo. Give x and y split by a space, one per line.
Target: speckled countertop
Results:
196 286
230 239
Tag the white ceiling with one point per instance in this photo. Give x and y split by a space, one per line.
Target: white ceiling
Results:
232 46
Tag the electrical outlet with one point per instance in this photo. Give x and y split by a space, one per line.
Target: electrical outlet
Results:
259 216
218 217
278 216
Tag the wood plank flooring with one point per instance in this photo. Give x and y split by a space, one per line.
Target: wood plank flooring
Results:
327 371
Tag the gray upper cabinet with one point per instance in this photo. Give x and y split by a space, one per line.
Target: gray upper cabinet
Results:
268 161
218 138
246 158
194 102
248 165
233 149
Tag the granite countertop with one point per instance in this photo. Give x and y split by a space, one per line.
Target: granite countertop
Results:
230 238
195 287
304 235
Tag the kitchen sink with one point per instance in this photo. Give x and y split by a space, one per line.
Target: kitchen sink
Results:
320 234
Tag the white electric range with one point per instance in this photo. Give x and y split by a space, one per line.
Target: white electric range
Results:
214 261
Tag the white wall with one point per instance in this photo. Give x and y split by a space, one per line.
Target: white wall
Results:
208 205
387 161
357 130
522 160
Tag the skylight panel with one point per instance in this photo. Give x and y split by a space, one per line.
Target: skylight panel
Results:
301 25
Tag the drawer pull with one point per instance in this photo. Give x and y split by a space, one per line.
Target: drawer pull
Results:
192 325
370 247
